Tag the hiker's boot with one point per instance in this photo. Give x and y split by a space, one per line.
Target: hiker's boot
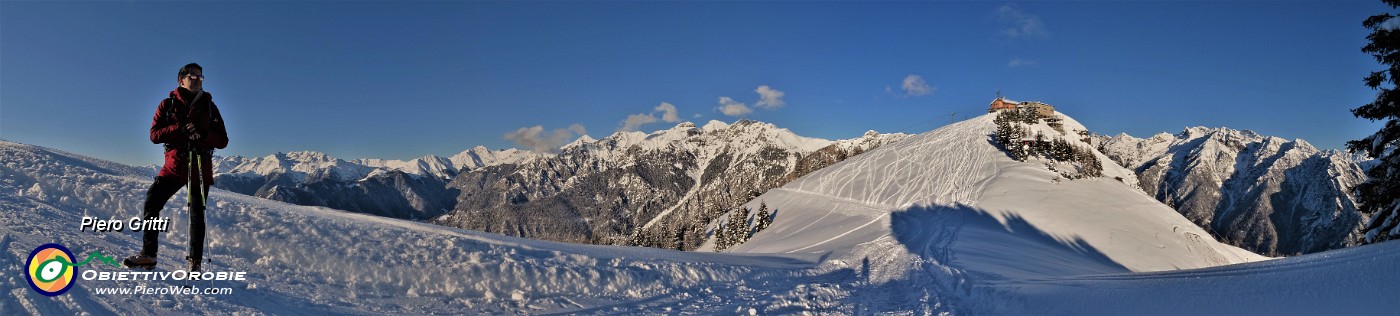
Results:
140 261
194 264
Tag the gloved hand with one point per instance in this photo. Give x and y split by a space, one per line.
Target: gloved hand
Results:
192 132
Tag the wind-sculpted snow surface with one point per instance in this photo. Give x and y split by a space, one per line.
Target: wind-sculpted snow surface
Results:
900 174
1352 281
1009 241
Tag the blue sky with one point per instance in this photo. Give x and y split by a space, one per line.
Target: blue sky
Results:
401 80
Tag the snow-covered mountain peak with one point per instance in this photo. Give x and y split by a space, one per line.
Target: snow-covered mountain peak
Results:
582 141
676 133
298 165
1225 135
954 174
748 132
309 157
480 156
1268 194
714 125
684 126
624 139
745 136
929 183
470 156
429 165
752 126
1162 136
477 150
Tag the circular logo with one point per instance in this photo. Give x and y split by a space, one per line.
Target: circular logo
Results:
51 269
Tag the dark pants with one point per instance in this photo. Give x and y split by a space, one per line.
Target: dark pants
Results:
160 192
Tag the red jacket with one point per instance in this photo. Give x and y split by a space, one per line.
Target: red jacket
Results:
168 127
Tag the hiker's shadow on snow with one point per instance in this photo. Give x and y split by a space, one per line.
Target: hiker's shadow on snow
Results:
976 244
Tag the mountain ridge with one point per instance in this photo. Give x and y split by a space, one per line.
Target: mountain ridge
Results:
1268 194
658 189
671 162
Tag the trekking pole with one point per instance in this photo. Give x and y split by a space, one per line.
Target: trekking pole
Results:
189 178
204 206
199 165
189 184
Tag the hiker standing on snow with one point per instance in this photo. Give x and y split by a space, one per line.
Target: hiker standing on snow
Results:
189 125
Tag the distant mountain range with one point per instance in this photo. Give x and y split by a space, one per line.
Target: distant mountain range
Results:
631 188
665 189
1266 194
413 189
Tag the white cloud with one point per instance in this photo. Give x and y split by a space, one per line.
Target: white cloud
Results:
1390 24
635 121
1020 24
914 85
536 139
769 98
1018 62
733 108
668 112
578 128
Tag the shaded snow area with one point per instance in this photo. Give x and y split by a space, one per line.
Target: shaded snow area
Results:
941 222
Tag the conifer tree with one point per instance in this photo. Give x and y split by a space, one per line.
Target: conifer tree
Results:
1380 195
741 229
763 217
677 239
722 238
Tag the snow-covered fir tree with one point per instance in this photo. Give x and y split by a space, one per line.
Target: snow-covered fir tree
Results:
1380 195
764 218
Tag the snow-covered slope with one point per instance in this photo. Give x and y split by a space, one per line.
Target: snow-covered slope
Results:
312 260
1266 194
952 199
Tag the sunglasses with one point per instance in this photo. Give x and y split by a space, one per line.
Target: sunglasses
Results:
195 77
